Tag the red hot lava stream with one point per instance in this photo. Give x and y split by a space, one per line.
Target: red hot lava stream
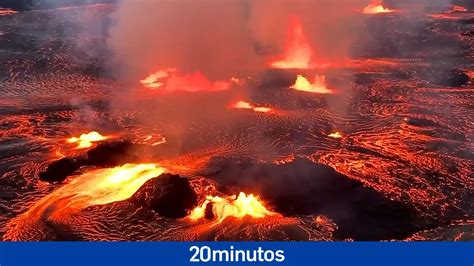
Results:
95 187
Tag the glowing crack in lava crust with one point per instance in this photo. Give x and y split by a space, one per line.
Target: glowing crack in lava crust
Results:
7 11
249 106
86 140
233 206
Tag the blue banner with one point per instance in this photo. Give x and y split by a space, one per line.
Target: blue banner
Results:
237 253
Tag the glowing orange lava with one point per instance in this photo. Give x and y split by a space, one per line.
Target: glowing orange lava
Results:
456 12
153 80
86 140
336 135
298 51
153 140
249 106
376 7
108 185
458 9
96 187
318 85
7 11
233 206
170 80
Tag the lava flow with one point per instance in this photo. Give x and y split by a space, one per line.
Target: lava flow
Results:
7 11
233 206
455 13
455 8
169 80
249 106
86 140
96 187
318 86
376 7
298 51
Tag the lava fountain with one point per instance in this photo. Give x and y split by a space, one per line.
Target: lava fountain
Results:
153 80
233 206
298 51
170 80
376 7
86 140
318 85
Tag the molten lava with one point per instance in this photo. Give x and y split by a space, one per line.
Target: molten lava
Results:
7 11
96 187
298 51
455 13
318 85
336 135
376 7
233 206
108 185
86 140
169 80
153 80
247 105
455 8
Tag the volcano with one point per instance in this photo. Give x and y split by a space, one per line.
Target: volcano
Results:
293 135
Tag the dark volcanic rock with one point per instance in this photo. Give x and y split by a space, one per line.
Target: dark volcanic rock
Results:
169 195
469 4
457 78
17 4
305 188
451 78
112 154
23 5
421 122
208 213
59 170
276 78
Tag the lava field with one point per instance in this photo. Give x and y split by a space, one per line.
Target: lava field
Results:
376 146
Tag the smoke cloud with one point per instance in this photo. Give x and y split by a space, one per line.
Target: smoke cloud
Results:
223 39
220 40
217 40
